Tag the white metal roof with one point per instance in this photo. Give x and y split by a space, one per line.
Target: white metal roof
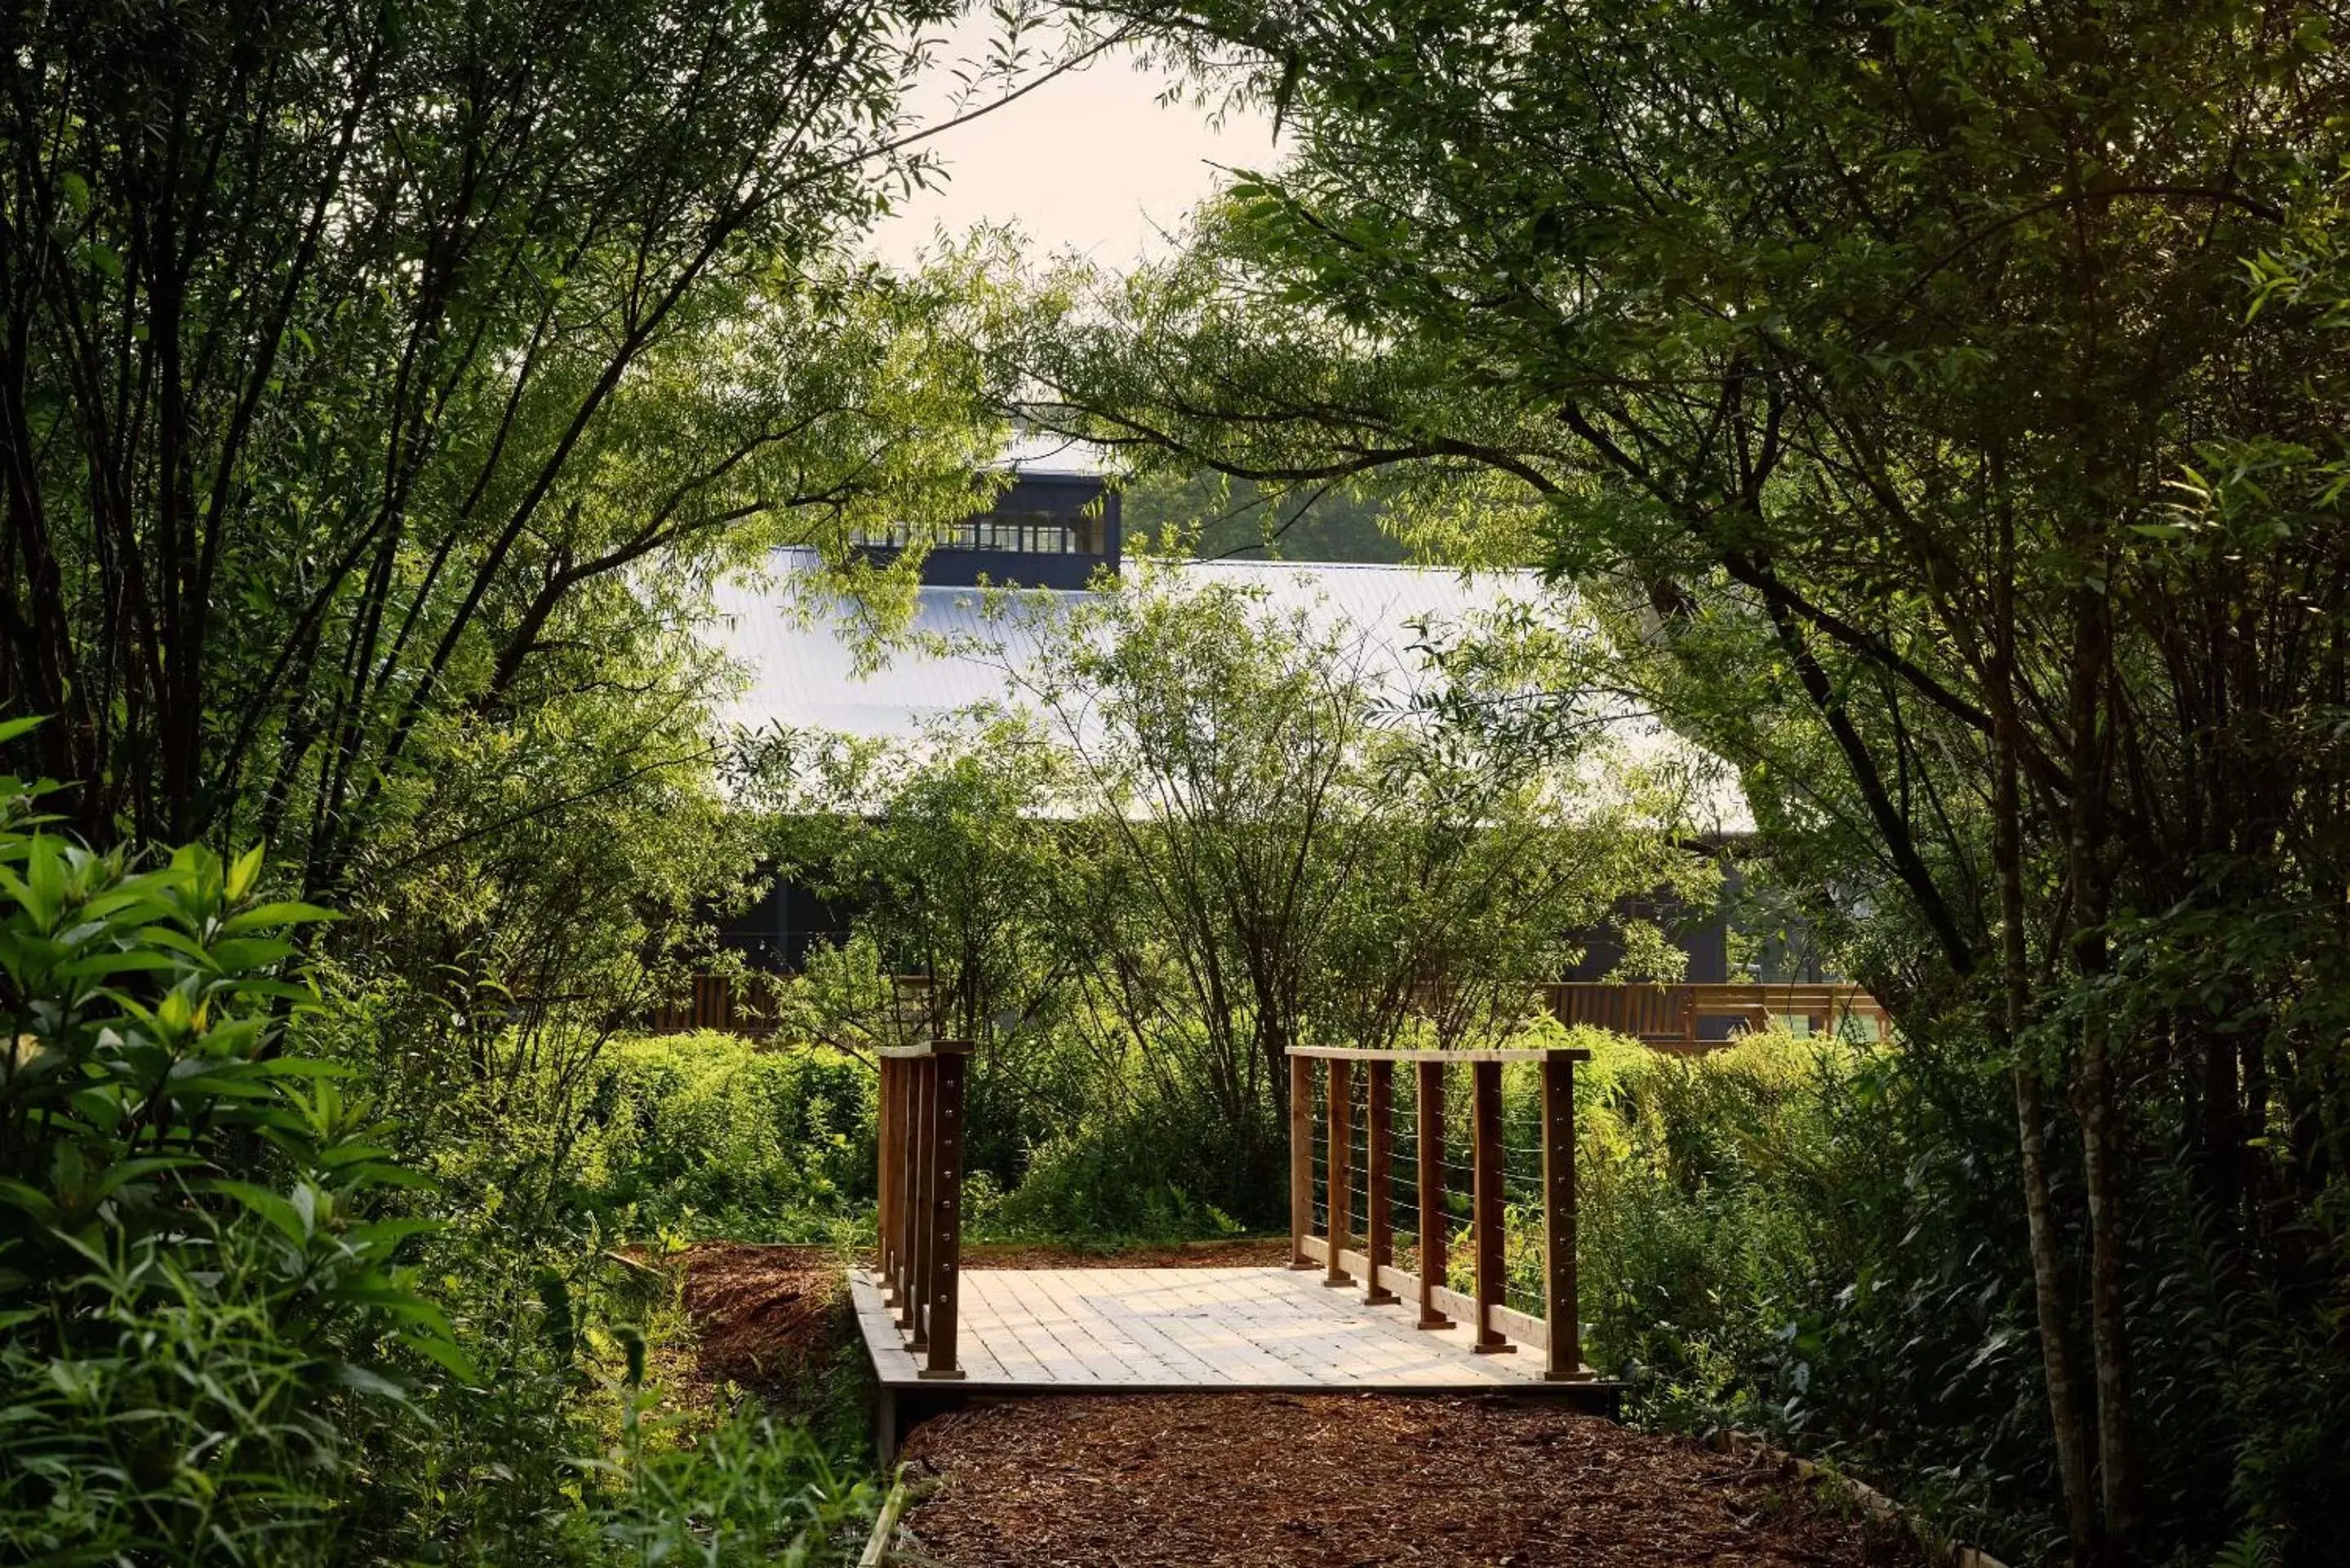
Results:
1034 452
798 651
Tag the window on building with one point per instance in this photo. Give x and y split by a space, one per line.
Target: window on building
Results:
1017 532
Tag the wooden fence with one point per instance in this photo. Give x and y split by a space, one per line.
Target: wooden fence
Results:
1351 1172
1672 1017
921 1207
714 1002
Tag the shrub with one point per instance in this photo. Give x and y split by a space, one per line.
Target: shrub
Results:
1796 1236
1123 1178
199 1305
707 1135
211 1354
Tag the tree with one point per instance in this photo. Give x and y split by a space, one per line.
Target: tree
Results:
1514 819
1217 518
1300 835
946 857
352 352
1892 373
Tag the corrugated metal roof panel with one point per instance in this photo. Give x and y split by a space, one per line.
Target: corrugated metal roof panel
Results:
800 657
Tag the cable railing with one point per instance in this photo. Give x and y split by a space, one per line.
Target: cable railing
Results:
920 1199
1347 1162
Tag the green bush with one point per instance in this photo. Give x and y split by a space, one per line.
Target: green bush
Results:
697 1136
202 1313
1796 1237
746 1493
210 1349
1110 1178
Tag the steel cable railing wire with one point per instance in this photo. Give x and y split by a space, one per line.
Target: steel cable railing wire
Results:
1519 1178
1318 1165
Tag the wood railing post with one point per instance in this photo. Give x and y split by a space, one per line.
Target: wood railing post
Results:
1485 1115
1561 1315
1427 1120
922 1134
944 1220
894 1263
1301 1158
902 1177
1378 1159
1341 1158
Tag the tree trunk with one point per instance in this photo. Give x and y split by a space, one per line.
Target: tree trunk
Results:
2057 1358
2100 1152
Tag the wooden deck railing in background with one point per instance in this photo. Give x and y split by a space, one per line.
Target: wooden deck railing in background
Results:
1348 1081
920 1227
1672 1017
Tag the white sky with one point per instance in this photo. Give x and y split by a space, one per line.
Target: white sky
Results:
1088 162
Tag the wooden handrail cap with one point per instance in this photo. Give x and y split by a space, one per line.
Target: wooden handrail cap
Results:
928 1048
1498 1054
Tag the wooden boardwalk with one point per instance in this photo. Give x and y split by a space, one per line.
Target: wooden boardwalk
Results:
1039 1331
938 1334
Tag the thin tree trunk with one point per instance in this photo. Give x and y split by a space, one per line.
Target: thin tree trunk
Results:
2057 1357
2100 1154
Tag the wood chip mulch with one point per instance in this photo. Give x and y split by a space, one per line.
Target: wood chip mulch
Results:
764 1315
1352 1481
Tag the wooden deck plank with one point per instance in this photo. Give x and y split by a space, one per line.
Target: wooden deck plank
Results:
1204 1349
1250 1335
1033 1322
1210 1322
1100 1305
1124 1296
1092 1359
991 1328
1171 1329
1111 1355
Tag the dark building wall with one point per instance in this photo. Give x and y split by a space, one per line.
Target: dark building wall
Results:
1080 506
1703 934
775 933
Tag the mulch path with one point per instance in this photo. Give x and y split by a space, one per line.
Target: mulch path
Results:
1352 1480
765 1315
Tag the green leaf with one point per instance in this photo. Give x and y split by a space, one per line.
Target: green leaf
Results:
350 1374
31 1200
124 962
133 1169
266 917
383 1235
373 1289
243 873
444 1352
267 1204
244 954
